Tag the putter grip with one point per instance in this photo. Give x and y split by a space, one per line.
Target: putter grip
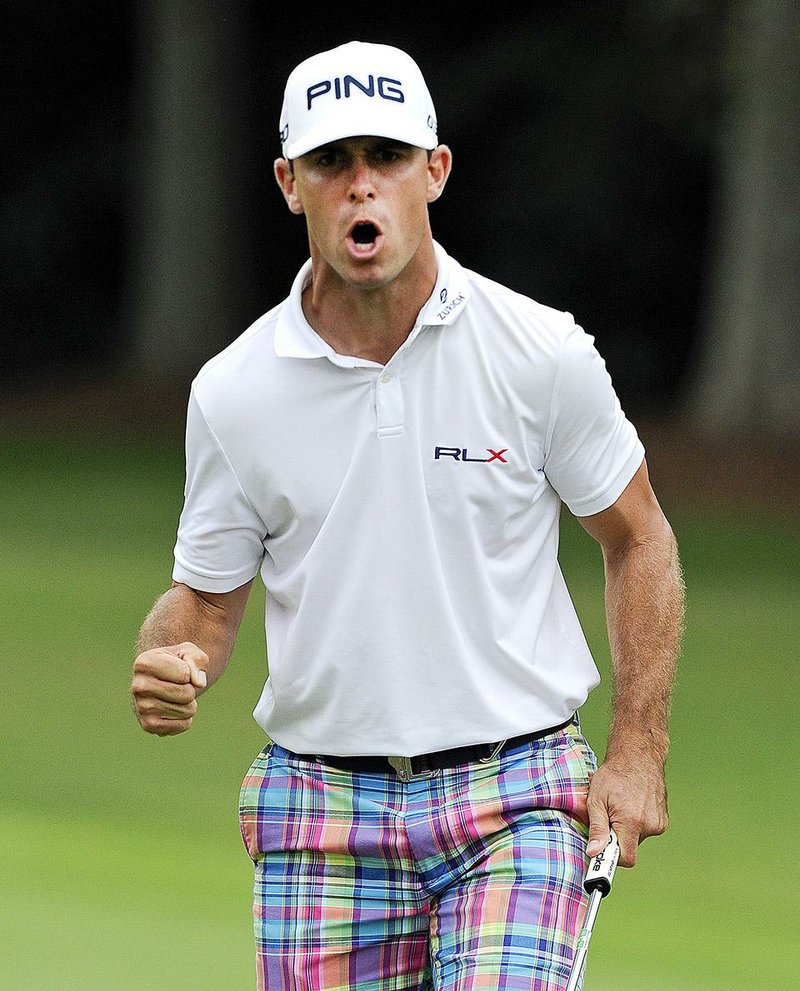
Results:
600 872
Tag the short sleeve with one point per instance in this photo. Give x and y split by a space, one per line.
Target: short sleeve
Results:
220 542
592 449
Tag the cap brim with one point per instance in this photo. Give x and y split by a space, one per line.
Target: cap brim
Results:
359 124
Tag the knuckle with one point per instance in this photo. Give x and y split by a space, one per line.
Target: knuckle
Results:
180 710
141 664
193 652
177 671
174 694
190 651
178 726
185 695
169 727
153 720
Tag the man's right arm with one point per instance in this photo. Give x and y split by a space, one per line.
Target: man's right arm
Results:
184 646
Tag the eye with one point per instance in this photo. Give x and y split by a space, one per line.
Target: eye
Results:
325 158
389 153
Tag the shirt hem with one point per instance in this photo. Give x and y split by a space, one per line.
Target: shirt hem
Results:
206 583
612 492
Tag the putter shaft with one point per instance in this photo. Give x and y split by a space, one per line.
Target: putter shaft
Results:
597 884
582 946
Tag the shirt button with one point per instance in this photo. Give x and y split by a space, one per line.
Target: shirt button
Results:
386 378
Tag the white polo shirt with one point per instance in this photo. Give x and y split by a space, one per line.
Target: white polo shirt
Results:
405 517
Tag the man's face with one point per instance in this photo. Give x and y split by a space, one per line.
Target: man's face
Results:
365 200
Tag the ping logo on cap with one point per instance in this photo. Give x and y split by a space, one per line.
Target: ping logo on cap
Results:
357 88
384 87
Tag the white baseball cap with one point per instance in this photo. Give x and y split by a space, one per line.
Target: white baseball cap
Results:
357 88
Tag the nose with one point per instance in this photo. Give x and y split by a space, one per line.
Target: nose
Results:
362 183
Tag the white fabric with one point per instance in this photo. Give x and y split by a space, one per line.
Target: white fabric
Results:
415 601
357 88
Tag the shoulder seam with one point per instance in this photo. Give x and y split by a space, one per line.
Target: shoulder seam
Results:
255 328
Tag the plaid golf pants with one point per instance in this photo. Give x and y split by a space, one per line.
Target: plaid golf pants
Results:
469 879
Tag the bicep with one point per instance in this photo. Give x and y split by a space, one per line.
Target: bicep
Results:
634 518
224 608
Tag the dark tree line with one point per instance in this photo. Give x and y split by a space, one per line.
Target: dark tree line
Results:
635 163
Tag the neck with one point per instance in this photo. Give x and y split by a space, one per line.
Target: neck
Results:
370 323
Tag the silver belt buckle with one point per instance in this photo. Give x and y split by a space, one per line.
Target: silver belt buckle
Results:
494 754
405 772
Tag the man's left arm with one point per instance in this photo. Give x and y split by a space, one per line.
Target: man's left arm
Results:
644 610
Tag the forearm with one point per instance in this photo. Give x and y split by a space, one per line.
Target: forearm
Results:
644 608
182 615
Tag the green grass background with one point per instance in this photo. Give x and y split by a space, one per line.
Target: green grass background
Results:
121 865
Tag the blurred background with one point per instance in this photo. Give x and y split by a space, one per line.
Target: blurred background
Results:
635 163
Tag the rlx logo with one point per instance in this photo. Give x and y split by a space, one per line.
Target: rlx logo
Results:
460 454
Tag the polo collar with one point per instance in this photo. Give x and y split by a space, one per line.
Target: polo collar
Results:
450 294
296 338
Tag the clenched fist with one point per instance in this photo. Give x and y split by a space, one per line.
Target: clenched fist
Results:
165 686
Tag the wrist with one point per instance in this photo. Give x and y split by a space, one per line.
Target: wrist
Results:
637 742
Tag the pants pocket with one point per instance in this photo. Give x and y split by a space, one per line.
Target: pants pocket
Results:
250 801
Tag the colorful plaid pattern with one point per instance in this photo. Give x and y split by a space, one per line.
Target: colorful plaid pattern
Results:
469 879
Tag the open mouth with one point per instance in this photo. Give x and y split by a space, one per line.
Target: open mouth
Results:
364 233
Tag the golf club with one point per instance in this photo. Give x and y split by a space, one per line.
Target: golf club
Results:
597 884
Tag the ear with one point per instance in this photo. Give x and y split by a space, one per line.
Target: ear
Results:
285 178
439 166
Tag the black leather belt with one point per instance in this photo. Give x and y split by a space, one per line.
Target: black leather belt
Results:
425 765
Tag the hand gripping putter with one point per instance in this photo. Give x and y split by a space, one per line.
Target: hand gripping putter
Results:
597 884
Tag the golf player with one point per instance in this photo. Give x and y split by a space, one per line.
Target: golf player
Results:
390 447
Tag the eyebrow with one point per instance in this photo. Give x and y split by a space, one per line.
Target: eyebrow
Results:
380 142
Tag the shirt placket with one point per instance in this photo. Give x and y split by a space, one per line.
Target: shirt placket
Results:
389 405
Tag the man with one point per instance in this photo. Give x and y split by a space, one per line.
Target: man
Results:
390 446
